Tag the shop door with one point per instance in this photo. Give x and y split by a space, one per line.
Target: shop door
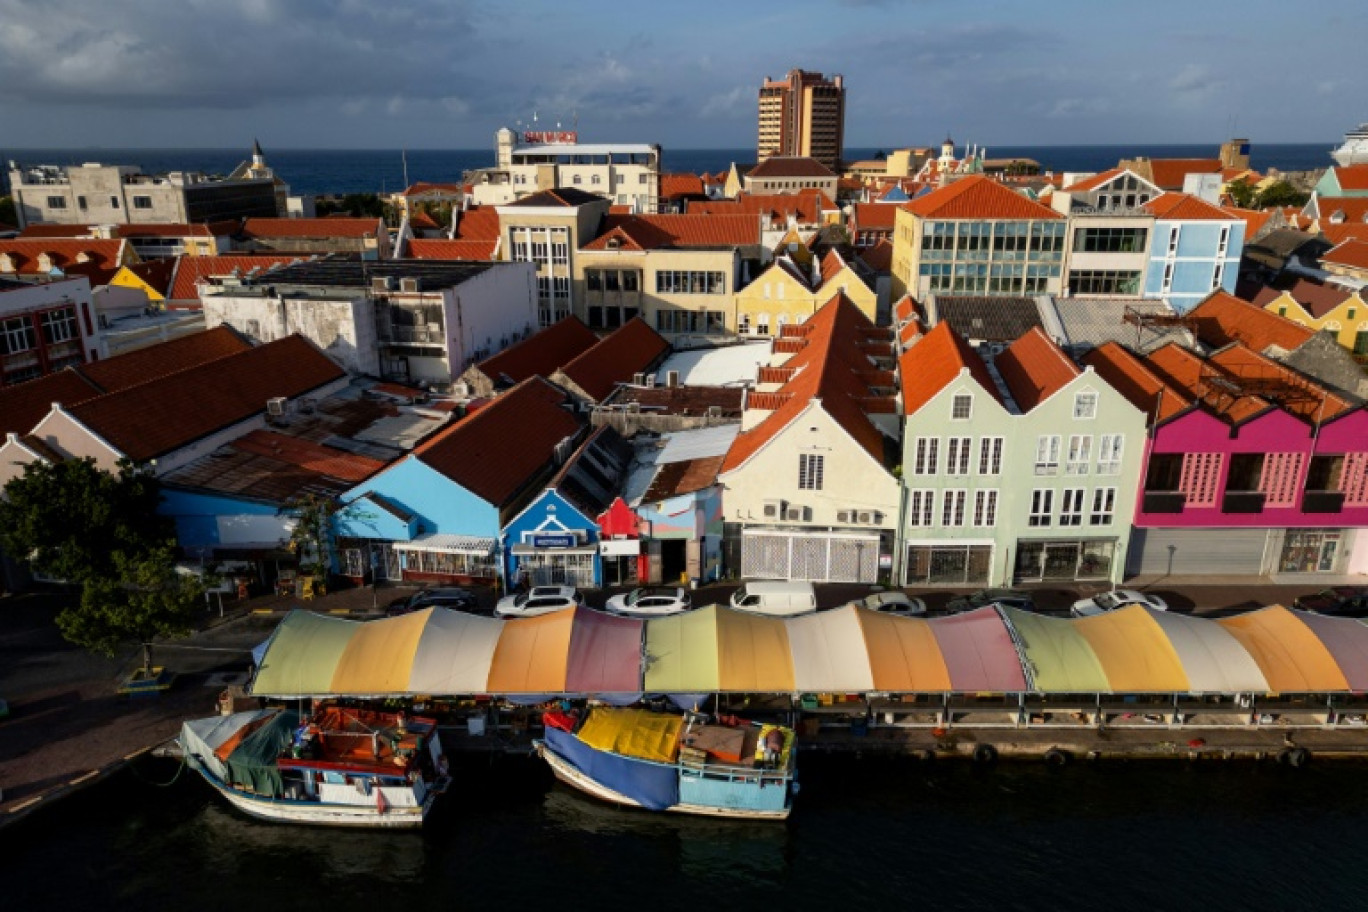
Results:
384 561
1061 561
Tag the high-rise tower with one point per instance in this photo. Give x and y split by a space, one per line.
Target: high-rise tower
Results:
803 114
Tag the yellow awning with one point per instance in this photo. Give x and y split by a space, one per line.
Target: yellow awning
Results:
379 657
532 655
633 733
681 653
903 654
1291 657
753 653
1135 653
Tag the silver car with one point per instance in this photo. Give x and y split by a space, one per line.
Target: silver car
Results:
1104 602
650 601
894 602
538 600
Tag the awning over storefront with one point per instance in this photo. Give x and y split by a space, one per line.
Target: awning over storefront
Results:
443 543
533 549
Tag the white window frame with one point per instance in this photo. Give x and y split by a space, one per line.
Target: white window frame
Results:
990 456
1110 450
1085 405
1047 454
985 508
1042 506
1071 507
921 507
957 451
953 501
1079 455
1103 507
965 399
811 469
927 458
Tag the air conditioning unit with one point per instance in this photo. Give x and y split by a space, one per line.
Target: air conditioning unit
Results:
714 411
650 380
381 283
865 516
638 379
408 285
844 516
774 509
460 389
672 378
794 514
275 407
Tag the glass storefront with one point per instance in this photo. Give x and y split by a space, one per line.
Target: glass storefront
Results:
1077 559
948 564
1309 552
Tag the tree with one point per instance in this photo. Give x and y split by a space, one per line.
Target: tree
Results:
312 533
1281 193
101 531
1241 193
8 215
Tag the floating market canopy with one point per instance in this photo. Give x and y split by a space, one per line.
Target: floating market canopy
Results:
850 649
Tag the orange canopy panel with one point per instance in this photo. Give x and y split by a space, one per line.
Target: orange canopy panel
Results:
532 655
1135 654
753 653
379 657
903 654
1291 657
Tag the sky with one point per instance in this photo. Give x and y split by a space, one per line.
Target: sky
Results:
445 74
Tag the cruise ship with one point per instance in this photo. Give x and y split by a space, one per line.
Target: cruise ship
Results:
1355 148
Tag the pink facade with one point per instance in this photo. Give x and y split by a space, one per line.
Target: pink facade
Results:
1208 444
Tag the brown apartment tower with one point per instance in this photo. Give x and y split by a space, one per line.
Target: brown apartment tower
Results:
803 114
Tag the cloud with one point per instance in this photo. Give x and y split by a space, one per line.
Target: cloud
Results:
729 103
1195 81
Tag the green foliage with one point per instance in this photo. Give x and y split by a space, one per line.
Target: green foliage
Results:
8 215
353 204
310 538
1242 194
1281 193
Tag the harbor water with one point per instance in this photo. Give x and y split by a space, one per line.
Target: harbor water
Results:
866 833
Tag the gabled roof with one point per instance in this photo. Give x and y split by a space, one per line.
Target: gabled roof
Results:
1352 253
421 219
1290 390
312 228
592 477
561 197
790 166
61 253
553 347
1352 177
990 318
879 257
1186 207
978 197
1097 180
1316 299
1034 369
1254 219
1223 318
225 228
1338 234
875 216
36 232
654 232
442 249
161 415
419 188
1169 173
672 185
156 274
23 405
1132 378
190 271
1206 382
806 206
495 452
478 223
831 364
934 362
631 349
1340 210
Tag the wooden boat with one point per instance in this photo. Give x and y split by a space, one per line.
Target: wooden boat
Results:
341 767
664 762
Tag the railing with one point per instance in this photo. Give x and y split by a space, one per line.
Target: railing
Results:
1323 502
413 334
1243 502
1164 502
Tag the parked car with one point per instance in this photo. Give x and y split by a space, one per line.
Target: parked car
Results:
777 598
1011 598
445 597
650 601
538 600
1349 601
1110 601
893 602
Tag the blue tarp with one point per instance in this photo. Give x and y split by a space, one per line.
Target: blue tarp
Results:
652 785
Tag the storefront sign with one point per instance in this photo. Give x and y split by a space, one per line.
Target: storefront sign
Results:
550 137
885 561
620 548
553 540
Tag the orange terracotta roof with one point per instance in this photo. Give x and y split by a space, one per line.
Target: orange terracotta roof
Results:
1168 173
672 185
156 417
831 265
192 270
23 405
906 310
421 219
1185 207
1315 298
1339 210
830 365
1178 367
805 207
1291 390
1338 234
1132 378
632 348
652 232
879 257
1254 219
978 197
1353 177
874 216
478 223
495 452
790 166
1353 254
56 231
1035 368
1223 318
307 454
345 227
421 187
1097 180
156 273
163 359
161 230
442 249
61 253
561 197
553 347
934 362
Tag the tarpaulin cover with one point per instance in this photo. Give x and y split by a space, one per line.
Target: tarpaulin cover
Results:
979 653
605 654
1290 655
1213 660
379 657
532 654
1134 652
201 738
829 651
1347 640
454 654
752 653
1058 657
904 655
303 654
681 653
253 765
633 733
651 785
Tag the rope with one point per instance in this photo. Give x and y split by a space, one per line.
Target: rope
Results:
180 769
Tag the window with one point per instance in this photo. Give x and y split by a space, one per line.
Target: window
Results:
596 180
593 280
113 202
16 335
631 281
919 507
543 286
962 407
560 252
1042 502
1071 507
540 251
56 202
81 204
1246 471
1080 454
677 281
957 455
1201 474
1110 240
1109 448
927 456
1104 281
1103 506
1280 477
578 180
1047 454
59 325
810 467
985 508
952 508
1167 285
142 202
990 455
561 287
1173 242
762 324
1085 406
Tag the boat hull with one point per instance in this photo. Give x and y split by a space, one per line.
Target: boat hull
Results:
318 813
572 776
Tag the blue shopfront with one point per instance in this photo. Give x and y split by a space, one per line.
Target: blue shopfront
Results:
552 542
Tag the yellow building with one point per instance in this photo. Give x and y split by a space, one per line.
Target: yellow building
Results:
1338 311
790 291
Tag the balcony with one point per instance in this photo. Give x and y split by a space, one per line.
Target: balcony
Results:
1322 501
1243 502
1164 502
413 335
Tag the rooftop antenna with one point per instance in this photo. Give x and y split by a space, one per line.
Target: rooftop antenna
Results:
403 155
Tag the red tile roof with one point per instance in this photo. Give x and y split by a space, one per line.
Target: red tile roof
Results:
155 273
1035 368
934 362
1097 180
1223 318
831 365
226 228
879 257
159 416
1353 254
790 166
163 359
653 232
1289 389
192 270
1316 299
1168 173
1178 367
978 197
419 188
1132 378
874 216
561 197
1338 234
25 404
315 457
1253 218
477 224
553 347
672 185
1353 177
631 349
56 231
421 219
1186 207
806 207
1339 210
497 451
906 310
442 249
62 253
346 227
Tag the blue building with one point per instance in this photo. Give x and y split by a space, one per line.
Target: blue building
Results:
1194 250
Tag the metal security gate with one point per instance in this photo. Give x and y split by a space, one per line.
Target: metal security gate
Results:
385 561
1183 552
831 558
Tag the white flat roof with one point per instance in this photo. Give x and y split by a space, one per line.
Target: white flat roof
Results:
585 149
730 365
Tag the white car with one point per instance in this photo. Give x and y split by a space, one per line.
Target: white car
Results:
1110 601
894 602
650 601
538 600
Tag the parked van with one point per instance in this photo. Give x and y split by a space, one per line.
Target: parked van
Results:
778 598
